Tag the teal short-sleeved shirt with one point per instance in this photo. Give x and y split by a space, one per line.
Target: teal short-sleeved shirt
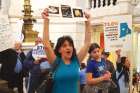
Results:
66 77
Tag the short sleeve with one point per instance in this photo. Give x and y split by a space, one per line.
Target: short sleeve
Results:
55 64
89 68
56 61
75 60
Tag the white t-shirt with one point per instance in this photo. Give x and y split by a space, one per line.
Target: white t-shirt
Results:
121 82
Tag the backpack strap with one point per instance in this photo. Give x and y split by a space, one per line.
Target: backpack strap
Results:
55 65
120 75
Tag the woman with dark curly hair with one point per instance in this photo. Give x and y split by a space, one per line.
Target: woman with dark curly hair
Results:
66 76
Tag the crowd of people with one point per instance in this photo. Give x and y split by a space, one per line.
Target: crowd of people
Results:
97 75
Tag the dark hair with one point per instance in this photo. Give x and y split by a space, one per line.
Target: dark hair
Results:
60 42
121 66
123 59
105 53
92 47
83 65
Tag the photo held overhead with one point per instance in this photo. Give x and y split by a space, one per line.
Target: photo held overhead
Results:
77 12
38 52
66 12
53 10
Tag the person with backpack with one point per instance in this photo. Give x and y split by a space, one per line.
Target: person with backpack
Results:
110 67
109 64
122 72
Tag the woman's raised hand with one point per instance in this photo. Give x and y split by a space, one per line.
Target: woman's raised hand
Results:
45 13
87 15
118 52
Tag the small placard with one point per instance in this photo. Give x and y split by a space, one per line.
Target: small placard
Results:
38 52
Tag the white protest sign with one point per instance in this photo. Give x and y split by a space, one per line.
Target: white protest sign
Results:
117 32
6 38
38 52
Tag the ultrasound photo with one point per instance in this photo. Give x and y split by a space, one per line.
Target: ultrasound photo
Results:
77 12
66 11
53 10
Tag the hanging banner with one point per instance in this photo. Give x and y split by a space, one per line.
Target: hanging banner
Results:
5 33
117 32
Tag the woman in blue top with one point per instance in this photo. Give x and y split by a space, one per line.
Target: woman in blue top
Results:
67 73
97 72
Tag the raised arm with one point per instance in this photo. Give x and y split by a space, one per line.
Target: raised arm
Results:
118 53
88 29
48 49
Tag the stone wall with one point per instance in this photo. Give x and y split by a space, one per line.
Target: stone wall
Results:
6 38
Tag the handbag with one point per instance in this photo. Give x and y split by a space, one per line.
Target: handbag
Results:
47 85
102 86
95 88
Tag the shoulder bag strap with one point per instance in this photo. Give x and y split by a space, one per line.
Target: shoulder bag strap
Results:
121 73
